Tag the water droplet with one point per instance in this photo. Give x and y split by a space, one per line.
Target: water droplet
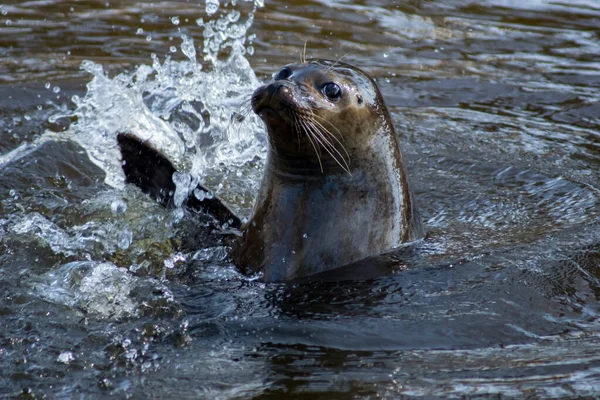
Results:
65 357
47 85
118 207
199 194
56 89
4 11
385 55
174 259
234 16
175 20
149 38
187 47
173 49
305 236
8 22
125 238
139 31
212 6
178 214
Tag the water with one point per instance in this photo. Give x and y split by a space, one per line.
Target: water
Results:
105 293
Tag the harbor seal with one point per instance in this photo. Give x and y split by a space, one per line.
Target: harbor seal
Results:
334 189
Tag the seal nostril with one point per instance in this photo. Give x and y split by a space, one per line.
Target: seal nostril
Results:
275 87
283 74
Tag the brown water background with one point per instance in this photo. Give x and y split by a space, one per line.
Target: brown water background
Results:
497 107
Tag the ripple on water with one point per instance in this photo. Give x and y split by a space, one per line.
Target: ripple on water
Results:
106 293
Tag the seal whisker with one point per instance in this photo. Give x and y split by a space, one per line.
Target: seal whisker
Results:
335 63
242 112
298 129
324 131
308 131
328 132
244 109
319 133
315 116
304 53
328 146
308 135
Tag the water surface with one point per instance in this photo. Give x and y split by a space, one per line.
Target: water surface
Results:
496 104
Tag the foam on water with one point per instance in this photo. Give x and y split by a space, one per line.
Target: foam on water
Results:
88 237
102 289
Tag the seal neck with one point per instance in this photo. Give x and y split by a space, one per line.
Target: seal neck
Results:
306 166
299 158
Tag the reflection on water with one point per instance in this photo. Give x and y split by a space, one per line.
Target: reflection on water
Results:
496 104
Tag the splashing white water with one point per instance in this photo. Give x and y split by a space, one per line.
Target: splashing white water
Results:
184 109
102 289
89 237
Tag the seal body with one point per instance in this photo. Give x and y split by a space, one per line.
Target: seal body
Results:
334 190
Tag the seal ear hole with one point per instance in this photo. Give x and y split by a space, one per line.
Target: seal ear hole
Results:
359 99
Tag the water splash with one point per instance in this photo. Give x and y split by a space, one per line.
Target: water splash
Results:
102 289
184 109
106 237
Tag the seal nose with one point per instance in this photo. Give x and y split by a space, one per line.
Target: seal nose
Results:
277 87
280 92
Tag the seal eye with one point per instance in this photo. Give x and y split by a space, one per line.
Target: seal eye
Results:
283 74
332 91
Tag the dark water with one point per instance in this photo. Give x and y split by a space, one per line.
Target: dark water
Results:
103 293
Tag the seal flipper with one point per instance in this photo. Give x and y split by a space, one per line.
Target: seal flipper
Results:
147 169
153 174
